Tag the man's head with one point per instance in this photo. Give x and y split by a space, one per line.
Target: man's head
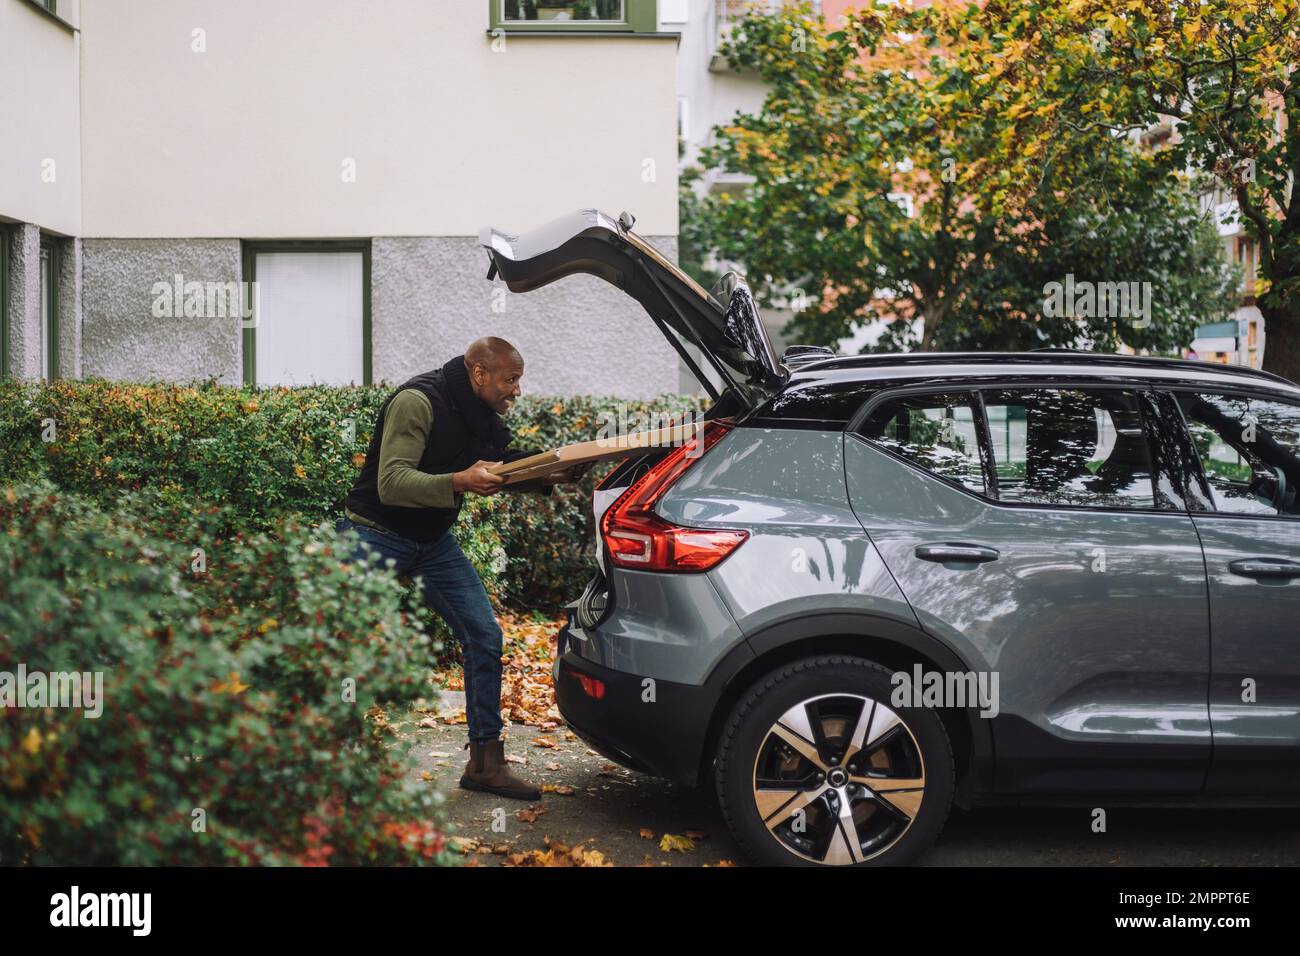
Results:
495 368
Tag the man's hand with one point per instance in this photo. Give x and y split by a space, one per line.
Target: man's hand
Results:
478 479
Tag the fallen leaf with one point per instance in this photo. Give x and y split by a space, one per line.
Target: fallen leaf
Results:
647 833
671 842
529 815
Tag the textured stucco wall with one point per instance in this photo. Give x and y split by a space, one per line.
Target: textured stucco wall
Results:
25 302
68 304
429 300
121 338
580 335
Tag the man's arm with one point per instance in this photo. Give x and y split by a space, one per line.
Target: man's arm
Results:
406 430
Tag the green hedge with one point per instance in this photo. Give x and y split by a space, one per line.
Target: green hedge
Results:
265 454
240 714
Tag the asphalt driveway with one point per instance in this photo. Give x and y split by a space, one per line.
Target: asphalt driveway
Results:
595 812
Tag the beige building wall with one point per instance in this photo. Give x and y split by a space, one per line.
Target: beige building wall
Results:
40 162
313 118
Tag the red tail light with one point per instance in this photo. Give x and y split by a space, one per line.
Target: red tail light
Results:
638 538
593 687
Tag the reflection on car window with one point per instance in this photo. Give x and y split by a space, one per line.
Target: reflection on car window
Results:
1249 449
1070 447
936 432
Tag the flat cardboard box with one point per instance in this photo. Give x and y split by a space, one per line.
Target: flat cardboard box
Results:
599 449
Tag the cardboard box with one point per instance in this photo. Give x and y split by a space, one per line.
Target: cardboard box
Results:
600 449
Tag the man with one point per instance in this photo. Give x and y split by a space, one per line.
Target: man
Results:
433 442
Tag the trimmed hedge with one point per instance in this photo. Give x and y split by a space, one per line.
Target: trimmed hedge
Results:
265 454
178 540
241 718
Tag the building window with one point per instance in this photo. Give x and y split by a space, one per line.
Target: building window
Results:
309 313
605 17
605 11
49 344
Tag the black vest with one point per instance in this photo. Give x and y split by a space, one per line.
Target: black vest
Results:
453 445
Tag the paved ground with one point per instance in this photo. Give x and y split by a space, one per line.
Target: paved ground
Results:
607 809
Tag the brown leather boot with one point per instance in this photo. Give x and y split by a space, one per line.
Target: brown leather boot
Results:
487 771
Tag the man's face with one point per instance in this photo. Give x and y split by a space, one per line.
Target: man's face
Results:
498 389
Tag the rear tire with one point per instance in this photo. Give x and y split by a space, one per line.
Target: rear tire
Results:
815 766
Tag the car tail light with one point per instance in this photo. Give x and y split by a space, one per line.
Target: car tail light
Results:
593 687
638 538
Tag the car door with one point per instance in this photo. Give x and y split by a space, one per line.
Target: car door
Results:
1025 527
1245 480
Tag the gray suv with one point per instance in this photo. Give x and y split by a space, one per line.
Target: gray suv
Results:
876 585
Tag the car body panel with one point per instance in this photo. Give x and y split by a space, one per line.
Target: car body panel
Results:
806 551
666 626
1255 629
1110 668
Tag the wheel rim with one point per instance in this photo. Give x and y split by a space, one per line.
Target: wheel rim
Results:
838 779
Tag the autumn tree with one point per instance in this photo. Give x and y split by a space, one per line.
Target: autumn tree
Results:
870 193
1215 79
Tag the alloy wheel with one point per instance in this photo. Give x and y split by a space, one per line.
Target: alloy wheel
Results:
838 779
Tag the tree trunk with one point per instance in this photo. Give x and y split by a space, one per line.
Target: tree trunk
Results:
931 317
1281 343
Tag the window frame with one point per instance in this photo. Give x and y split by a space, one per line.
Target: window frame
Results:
50 247
639 17
1151 428
5 233
49 10
1200 501
249 250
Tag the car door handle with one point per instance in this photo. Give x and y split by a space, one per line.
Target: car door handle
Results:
956 553
1265 568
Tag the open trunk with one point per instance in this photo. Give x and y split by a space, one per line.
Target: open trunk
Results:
723 324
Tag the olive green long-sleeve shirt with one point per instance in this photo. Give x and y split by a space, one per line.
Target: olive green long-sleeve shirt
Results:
406 431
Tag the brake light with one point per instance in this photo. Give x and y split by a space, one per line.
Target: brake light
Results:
638 538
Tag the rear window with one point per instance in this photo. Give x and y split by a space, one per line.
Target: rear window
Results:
935 432
1058 446
1071 447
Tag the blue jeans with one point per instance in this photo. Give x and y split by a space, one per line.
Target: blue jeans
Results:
452 587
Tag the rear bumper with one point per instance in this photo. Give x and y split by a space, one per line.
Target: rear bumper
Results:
653 726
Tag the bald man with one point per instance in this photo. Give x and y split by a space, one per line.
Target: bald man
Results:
433 442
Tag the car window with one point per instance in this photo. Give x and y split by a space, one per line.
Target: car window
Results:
1080 447
936 432
1249 450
